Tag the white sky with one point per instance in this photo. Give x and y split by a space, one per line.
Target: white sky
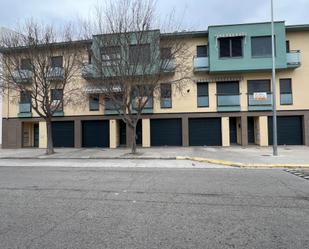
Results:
197 14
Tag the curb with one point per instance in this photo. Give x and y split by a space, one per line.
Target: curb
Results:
244 165
88 158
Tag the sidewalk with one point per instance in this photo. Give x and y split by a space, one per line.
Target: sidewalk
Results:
252 155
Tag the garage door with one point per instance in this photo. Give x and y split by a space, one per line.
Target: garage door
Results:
95 133
63 134
166 132
205 131
290 130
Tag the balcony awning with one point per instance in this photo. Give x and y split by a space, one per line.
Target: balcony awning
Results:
220 79
101 89
231 35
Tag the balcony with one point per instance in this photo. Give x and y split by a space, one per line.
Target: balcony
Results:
88 71
168 65
200 64
22 76
228 102
55 73
293 58
25 110
259 103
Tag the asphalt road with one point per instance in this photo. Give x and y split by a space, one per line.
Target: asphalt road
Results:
45 207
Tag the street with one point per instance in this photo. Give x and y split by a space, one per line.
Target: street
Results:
92 207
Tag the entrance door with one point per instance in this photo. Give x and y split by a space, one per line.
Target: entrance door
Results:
122 133
233 130
251 130
139 133
36 135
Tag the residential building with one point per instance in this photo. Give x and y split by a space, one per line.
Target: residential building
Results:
228 102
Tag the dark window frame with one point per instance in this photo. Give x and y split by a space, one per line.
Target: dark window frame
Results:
25 64
166 94
199 51
166 53
256 82
143 58
262 55
286 92
54 63
198 94
25 97
230 45
92 98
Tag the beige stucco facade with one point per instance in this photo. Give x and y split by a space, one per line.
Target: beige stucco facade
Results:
184 102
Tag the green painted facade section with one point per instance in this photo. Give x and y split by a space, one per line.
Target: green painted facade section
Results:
246 62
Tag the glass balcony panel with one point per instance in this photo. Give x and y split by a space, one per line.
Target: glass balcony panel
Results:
293 58
200 63
24 107
286 99
228 100
166 102
203 101
254 102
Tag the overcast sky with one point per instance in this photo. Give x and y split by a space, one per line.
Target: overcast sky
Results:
197 14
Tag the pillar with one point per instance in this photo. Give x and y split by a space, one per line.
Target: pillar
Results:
185 131
146 132
113 134
77 133
263 130
225 131
244 131
42 135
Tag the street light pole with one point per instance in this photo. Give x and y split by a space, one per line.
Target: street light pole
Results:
275 139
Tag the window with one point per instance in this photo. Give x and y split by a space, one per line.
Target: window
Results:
261 46
166 96
94 102
57 99
202 51
286 97
25 64
166 53
115 103
230 47
25 97
110 55
258 86
141 95
228 88
139 54
202 94
25 102
287 45
56 61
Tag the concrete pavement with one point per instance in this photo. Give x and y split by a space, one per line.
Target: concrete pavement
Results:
77 208
251 155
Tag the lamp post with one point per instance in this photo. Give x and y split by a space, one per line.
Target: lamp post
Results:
274 107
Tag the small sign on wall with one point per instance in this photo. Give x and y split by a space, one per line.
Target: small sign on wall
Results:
260 96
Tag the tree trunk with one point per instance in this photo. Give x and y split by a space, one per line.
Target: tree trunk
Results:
50 146
133 139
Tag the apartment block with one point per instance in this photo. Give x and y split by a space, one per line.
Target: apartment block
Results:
227 102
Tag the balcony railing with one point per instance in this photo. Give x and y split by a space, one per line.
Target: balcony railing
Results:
228 102
55 73
88 71
202 101
293 58
168 65
24 110
200 64
286 99
22 76
260 104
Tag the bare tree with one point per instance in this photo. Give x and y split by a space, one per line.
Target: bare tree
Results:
39 65
130 59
